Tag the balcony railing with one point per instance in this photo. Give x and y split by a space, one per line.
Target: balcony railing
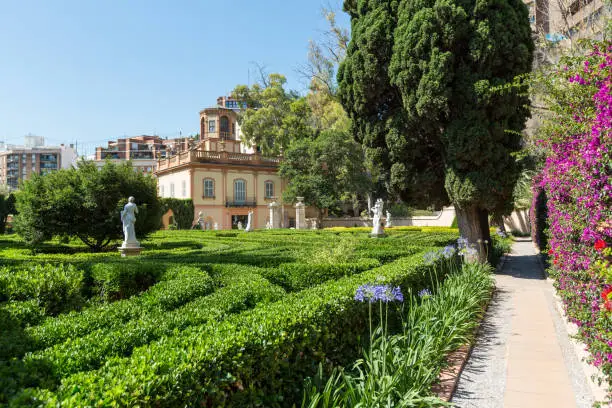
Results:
231 201
203 156
221 135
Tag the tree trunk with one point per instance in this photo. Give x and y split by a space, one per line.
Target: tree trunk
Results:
474 225
320 219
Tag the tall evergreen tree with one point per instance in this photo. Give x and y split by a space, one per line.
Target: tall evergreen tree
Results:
428 87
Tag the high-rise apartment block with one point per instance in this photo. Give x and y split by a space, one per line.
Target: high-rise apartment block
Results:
19 163
559 20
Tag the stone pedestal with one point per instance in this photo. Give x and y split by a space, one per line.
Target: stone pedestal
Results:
378 230
130 249
300 214
275 215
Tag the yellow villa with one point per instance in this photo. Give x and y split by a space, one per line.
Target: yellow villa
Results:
225 178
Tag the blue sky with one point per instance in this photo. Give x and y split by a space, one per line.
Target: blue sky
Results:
92 71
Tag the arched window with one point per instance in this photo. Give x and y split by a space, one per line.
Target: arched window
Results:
239 190
209 188
224 127
269 189
224 124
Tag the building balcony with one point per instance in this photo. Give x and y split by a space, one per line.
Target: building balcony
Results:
141 155
221 135
203 156
48 158
231 201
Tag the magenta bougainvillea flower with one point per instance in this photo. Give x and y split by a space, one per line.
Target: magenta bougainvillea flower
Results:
577 180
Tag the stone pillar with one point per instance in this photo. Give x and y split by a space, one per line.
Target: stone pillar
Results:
300 214
275 214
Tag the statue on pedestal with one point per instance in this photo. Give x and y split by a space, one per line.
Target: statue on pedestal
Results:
128 218
249 226
130 245
377 212
389 221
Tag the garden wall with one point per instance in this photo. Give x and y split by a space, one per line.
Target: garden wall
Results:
443 218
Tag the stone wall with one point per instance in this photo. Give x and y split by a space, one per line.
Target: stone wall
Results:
443 218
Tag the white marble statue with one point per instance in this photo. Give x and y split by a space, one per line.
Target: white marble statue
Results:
314 224
128 218
239 225
249 226
389 221
268 226
201 220
377 212
216 226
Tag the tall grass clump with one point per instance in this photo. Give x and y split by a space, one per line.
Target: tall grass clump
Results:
398 370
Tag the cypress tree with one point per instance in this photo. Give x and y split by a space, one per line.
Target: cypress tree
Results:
428 85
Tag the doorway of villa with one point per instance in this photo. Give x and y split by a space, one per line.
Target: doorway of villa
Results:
239 218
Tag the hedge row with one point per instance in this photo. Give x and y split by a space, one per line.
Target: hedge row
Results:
244 290
258 357
55 288
297 276
190 284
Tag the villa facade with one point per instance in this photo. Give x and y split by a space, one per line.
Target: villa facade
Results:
223 176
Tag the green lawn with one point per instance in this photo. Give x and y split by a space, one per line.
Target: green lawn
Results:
210 318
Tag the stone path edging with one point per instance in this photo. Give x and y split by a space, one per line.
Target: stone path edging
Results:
449 376
599 391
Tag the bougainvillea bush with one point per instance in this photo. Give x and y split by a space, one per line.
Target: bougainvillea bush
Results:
577 178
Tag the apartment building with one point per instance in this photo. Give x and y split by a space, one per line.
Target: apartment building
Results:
18 163
142 151
564 21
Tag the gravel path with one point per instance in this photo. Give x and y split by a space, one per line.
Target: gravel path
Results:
523 356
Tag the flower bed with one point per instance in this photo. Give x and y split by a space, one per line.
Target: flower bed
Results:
577 178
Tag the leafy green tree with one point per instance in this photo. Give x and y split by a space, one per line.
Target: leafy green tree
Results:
326 171
86 202
182 209
273 116
430 88
7 206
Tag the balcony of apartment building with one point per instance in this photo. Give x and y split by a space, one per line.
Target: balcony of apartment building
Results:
48 158
110 153
141 154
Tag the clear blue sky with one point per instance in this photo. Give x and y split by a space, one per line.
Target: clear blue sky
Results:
95 70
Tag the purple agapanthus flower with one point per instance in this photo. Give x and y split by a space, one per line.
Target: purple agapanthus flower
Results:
373 293
462 242
431 257
448 251
424 293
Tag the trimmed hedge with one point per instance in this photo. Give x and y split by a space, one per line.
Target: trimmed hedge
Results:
166 295
244 291
258 357
56 288
297 276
